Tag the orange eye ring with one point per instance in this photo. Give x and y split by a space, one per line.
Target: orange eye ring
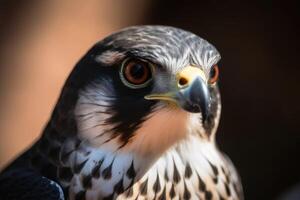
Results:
136 73
213 74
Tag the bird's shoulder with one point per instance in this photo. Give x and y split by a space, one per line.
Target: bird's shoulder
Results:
24 183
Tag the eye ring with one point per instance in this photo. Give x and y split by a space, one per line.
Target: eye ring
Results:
213 74
136 73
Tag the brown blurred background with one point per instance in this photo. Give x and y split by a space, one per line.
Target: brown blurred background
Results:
40 41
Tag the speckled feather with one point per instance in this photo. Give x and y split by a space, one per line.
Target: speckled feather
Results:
105 141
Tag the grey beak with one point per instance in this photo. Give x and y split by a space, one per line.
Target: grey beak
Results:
195 98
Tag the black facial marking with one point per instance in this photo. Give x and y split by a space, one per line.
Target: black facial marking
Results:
106 173
144 187
176 175
131 172
87 181
80 195
96 169
118 188
186 193
78 167
127 107
65 174
208 195
188 171
156 187
129 121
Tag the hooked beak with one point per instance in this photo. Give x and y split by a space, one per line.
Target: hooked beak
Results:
191 92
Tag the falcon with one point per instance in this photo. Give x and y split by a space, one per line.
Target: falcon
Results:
136 119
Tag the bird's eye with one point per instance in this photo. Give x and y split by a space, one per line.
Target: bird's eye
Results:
213 74
136 73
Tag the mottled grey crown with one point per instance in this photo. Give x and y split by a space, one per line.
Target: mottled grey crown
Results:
170 47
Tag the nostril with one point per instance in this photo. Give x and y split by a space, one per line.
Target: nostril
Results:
182 81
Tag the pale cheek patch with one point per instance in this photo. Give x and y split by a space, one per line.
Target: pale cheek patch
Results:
91 114
109 57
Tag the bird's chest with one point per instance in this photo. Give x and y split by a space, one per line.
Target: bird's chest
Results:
182 176
190 174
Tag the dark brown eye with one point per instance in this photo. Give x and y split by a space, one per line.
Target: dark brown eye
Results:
136 73
214 74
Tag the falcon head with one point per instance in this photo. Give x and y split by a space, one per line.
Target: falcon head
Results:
142 90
